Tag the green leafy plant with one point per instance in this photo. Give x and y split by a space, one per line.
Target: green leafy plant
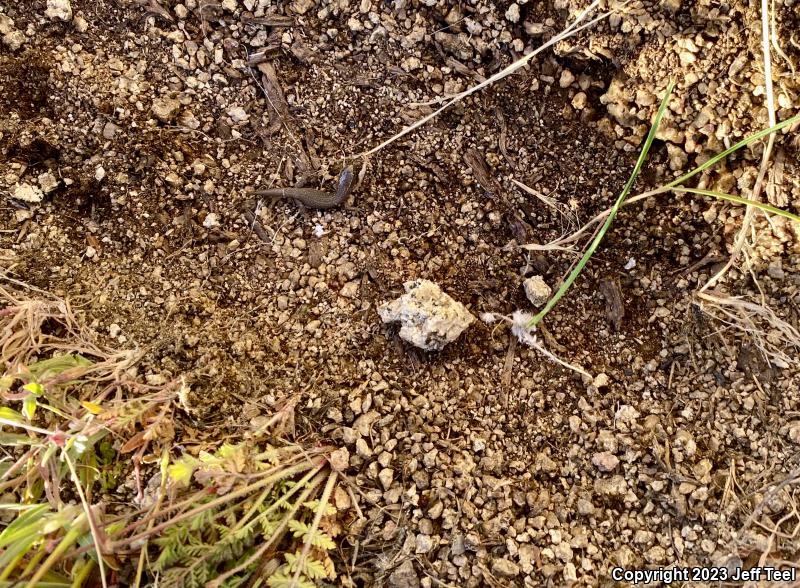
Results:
222 517
63 441
60 408
247 507
47 459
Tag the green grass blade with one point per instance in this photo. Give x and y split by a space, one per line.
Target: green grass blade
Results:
11 414
29 523
614 209
740 200
66 542
49 368
16 440
743 143
13 554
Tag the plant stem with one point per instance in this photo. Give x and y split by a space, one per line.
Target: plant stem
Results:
277 534
321 508
610 219
71 537
743 143
283 473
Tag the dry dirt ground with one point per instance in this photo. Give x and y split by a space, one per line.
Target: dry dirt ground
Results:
143 124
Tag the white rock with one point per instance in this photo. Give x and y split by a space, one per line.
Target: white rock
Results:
339 459
109 130
430 318
15 39
563 551
302 6
80 24
505 568
424 544
567 77
11 36
21 215
537 291
238 114
512 13
625 415
58 9
350 290
473 27
570 573
47 182
687 57
404 576
585 507
198 167
211 221
99 173
6 24
386 476
793 431
363 449
605 461
28 193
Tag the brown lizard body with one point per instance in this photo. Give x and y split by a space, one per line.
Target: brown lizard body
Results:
314 198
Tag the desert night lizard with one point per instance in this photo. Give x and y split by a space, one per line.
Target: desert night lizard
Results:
314 198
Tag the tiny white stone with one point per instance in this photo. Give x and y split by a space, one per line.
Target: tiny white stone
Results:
165 108
109 130
80 24
349 290
99 173
605 461
512 14
238 114
631 264
537 291
211 221
58 9
567 77
28 193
